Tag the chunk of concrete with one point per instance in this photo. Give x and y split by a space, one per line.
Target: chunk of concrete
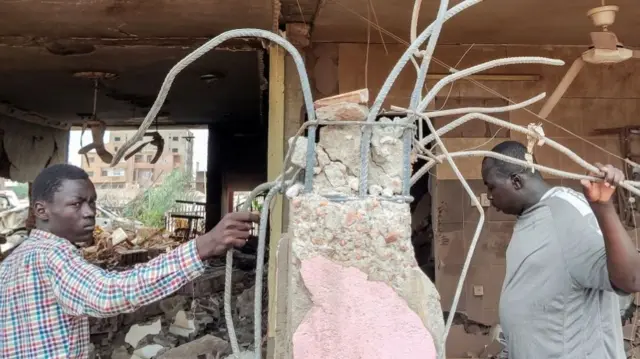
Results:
147 351
172 305
244 303
207 344
183 325
118 236
242 355
139 331
343 112
299 154
120 353
371 235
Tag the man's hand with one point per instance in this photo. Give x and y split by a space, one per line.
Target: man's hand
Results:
601 192
232 231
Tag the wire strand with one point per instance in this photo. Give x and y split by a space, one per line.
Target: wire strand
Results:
482 86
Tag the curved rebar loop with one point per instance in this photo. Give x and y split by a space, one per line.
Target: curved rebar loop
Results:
228 274
386 87
274 186
262 235
455 123
197 53
482 67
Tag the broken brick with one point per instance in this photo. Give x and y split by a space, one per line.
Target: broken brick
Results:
343 112
358 97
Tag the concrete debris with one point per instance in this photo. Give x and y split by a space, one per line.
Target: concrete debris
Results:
244 303
120 353
183 325
192 315
295 190
207 344
118 236
337 169
147 352
124 248
243 355
342 112
139 331
172 305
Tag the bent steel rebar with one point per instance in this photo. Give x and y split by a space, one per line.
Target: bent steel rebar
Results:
415 112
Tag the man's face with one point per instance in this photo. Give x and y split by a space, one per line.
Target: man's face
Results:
501 192
72 212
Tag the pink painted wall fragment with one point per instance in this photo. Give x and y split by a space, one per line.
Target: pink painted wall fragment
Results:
354 318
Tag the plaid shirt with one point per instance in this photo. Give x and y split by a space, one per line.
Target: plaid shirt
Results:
48 291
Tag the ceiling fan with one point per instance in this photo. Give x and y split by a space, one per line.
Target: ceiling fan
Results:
605 49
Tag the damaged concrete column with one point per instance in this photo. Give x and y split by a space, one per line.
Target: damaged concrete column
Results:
354 287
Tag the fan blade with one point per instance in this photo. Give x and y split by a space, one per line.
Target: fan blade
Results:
568 78
604 40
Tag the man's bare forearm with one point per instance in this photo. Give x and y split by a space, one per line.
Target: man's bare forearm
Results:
623 260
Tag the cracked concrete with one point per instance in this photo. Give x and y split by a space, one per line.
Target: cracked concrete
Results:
338 159
369 234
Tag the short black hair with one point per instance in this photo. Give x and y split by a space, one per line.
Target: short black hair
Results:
513 149
50 179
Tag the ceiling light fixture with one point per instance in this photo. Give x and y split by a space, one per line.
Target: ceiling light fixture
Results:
212 77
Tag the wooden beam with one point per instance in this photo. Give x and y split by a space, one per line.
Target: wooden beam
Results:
275 159
9 110
237 44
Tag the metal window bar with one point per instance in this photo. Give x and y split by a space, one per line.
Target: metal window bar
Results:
186 219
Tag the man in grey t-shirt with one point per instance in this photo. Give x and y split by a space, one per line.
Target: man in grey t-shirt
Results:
568 259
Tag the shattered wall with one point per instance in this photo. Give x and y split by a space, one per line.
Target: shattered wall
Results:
27 148
352 274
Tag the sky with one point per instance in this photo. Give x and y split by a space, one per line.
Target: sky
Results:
199 147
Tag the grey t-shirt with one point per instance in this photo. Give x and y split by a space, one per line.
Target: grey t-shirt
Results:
557 300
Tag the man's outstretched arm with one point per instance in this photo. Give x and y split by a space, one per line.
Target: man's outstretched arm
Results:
623 260
84 289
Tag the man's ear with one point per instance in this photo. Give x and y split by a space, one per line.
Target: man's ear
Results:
40 211
516 181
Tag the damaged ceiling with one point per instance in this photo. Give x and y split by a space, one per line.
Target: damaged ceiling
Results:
538 22
42 45
36 80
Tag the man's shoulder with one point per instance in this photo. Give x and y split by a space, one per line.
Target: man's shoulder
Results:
44 247
565 203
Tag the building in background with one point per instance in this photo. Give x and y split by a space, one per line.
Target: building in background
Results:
201 181
122 182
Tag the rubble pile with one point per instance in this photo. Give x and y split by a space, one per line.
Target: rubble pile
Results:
122 248
188 325
629 312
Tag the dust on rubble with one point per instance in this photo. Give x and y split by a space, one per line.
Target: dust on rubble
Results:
187 324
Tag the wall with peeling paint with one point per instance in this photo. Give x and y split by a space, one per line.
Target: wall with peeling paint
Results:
27 148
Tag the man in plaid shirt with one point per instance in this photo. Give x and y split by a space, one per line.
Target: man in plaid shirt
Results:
48 290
